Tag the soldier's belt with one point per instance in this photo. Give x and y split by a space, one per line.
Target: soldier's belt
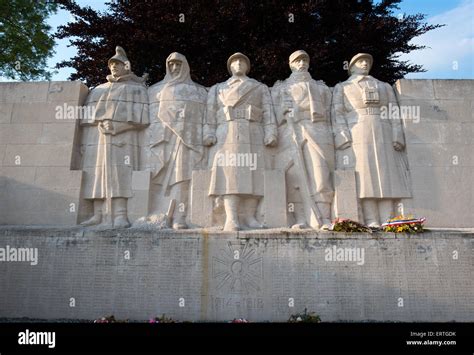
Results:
368 111
250 113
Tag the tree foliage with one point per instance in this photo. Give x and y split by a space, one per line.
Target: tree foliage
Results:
25 44
208 31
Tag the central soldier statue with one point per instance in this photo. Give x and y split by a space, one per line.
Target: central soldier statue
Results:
240 122
306 148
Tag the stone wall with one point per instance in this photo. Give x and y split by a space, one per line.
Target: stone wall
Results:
440 147
217 276
39 153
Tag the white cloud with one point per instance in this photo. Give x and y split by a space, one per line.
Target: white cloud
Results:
451 43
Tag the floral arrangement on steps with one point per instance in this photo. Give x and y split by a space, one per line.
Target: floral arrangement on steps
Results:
110 319
404 224
162 319
304 317
239 320
348 226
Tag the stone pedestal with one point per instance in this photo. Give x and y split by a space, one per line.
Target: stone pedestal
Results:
217 276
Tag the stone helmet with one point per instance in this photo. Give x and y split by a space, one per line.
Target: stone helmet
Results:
238 55
297 54
359 56
120 56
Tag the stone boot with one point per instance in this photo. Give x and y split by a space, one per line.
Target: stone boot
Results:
119 206
385 210
370 210
232 213
250 211
94 220
179 222
325 210
299 216
97 217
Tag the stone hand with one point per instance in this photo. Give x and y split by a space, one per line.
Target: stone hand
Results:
397 146
288 109
270 141
107 127
209 140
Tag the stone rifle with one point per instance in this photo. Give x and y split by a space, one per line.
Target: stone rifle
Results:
166 184
108 179
312 213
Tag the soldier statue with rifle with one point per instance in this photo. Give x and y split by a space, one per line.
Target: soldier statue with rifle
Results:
173 143
306 148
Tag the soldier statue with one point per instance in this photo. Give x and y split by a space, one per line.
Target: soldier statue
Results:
120 109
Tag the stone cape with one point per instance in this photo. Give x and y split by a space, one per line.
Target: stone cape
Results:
124 94
112 100
176 111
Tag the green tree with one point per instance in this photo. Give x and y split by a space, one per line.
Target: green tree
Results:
208 31
25 44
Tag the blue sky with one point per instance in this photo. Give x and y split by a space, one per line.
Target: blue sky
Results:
451 48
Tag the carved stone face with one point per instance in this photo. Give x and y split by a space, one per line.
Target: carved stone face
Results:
175 67
117 68
300 64
361 67
238 66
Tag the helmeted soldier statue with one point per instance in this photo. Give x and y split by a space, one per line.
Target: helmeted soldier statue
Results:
377 141
306 148
111 143
240 122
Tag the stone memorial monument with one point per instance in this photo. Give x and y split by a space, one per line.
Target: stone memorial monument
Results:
243 153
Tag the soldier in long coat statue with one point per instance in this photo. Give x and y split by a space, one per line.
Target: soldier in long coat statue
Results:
173 146
377 141
306 148
241 122
111 142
